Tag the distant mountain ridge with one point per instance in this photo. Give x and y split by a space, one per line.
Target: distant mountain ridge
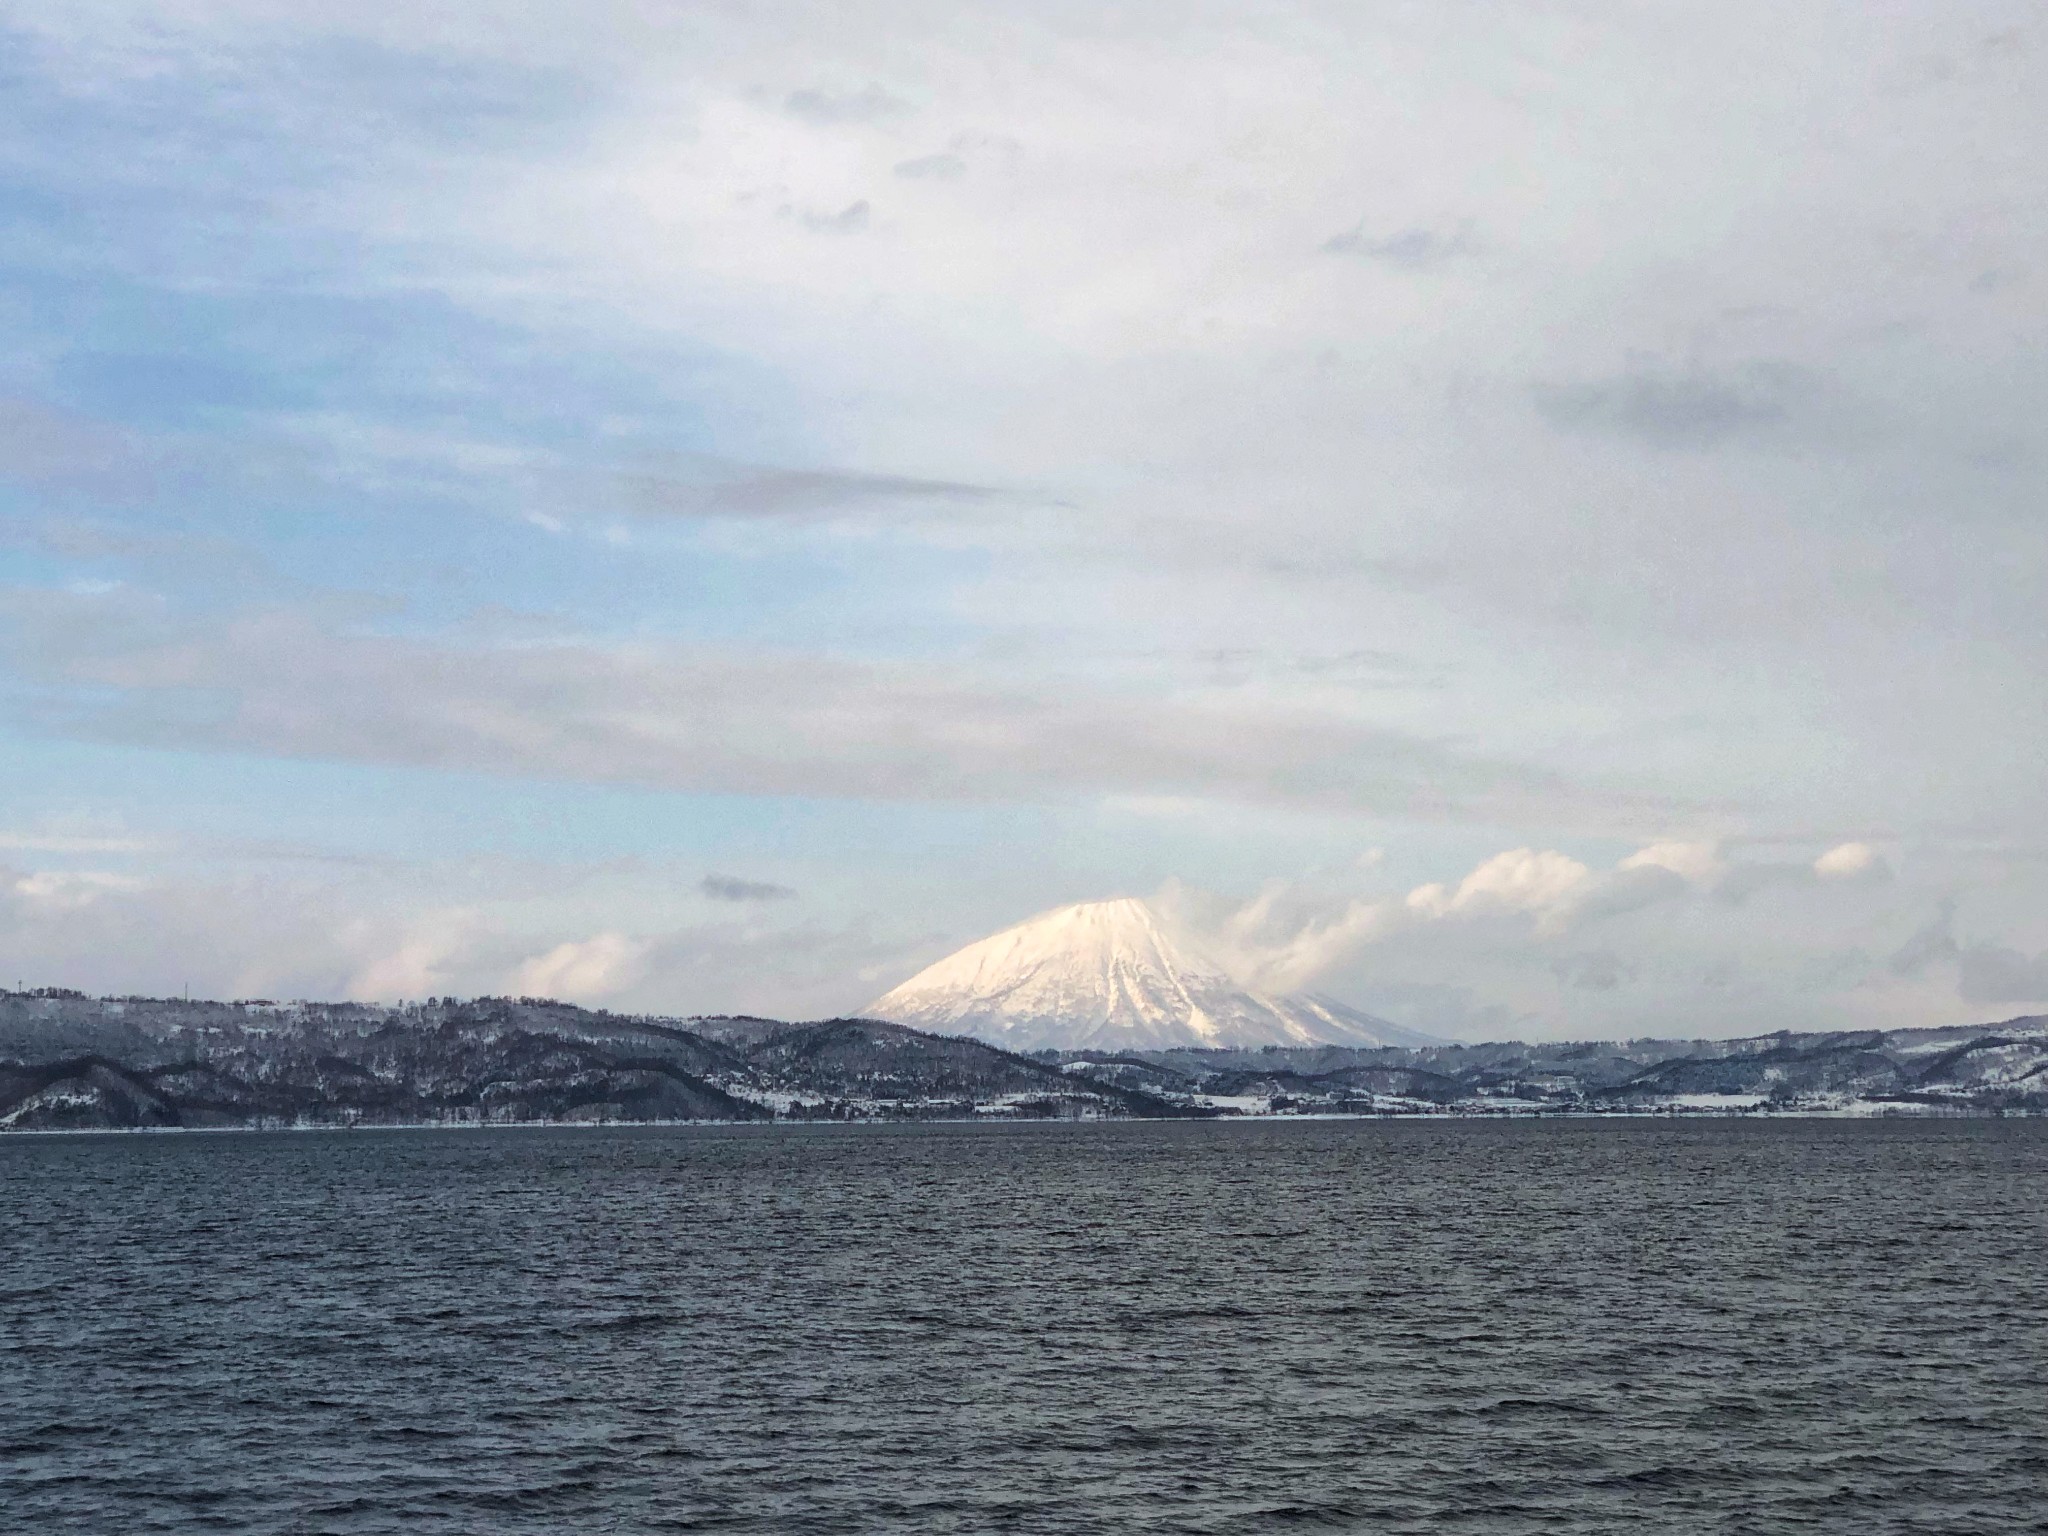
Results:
69 1062
1106 975
1997 1068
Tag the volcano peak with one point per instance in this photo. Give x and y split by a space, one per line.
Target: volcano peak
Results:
1111 975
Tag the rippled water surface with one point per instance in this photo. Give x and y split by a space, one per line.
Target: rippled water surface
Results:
1443 1327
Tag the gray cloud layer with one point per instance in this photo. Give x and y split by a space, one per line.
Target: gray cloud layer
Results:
732 888
693 718
744 490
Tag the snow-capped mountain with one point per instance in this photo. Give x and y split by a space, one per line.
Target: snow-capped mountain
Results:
1105 975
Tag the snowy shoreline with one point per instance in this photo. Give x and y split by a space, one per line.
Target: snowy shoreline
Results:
1862 1112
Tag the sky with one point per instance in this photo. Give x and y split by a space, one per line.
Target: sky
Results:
1526 518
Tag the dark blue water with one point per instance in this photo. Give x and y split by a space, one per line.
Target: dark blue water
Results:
1362 1326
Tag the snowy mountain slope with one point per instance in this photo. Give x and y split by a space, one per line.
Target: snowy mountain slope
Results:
1105 975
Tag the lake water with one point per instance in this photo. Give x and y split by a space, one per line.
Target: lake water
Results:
1442 1327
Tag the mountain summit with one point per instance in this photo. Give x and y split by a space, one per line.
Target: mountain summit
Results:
1105 976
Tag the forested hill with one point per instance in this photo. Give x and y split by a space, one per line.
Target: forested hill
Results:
71 1061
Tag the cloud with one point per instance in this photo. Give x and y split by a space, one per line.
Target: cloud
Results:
731 888
583 971
849 220
692 717
1746 878
386 933
1262 946
833 109
1515 929
53 449
1845 864
1985 973
1619 892
1680 408
422 961
1284 939
1287 936
68 889
1995 973
1595 971
940 167
1697 863
1933 942
1560 892
225 937
1519 880
1998 280
1852 862
70 842
1414 250
716 489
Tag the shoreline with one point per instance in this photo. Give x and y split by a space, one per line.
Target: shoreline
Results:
1873 1112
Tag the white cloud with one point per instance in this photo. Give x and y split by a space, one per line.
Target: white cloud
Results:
1851 861
586 970
1512 910
65 889
1284 938
1270 943
1519 880
1698 863
75 842
424 961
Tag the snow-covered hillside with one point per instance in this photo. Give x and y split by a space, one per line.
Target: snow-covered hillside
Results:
1105 975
